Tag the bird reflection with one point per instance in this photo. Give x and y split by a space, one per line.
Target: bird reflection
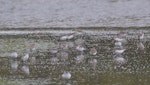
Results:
63 55
140 45
79 41
120 39
120 60
25 70
93 63
80 48
14 65
54 60
119 50
33 60
119 44
79 58
140 36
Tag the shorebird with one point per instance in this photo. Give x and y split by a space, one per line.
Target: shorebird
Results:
66 75
93 51
14 55
119 50
70 36
25 57
117 39
30 48
67 36
140 36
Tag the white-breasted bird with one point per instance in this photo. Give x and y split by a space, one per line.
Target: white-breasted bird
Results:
14 55
140 35
25 57
93 51
66 75
140 46
80 48
119 50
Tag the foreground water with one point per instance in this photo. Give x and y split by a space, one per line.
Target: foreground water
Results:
52 54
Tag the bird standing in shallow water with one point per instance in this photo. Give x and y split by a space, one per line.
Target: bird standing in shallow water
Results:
25 57
66 75
140 46
119 50
140 36
67 36
93 51
14 55
119 39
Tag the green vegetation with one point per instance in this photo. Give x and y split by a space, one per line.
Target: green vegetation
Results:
7 82
22 45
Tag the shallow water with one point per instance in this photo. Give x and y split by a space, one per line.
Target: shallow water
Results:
45 67
74 13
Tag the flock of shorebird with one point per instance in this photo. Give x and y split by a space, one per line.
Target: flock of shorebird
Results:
79 46
119 49
119 46
24 58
